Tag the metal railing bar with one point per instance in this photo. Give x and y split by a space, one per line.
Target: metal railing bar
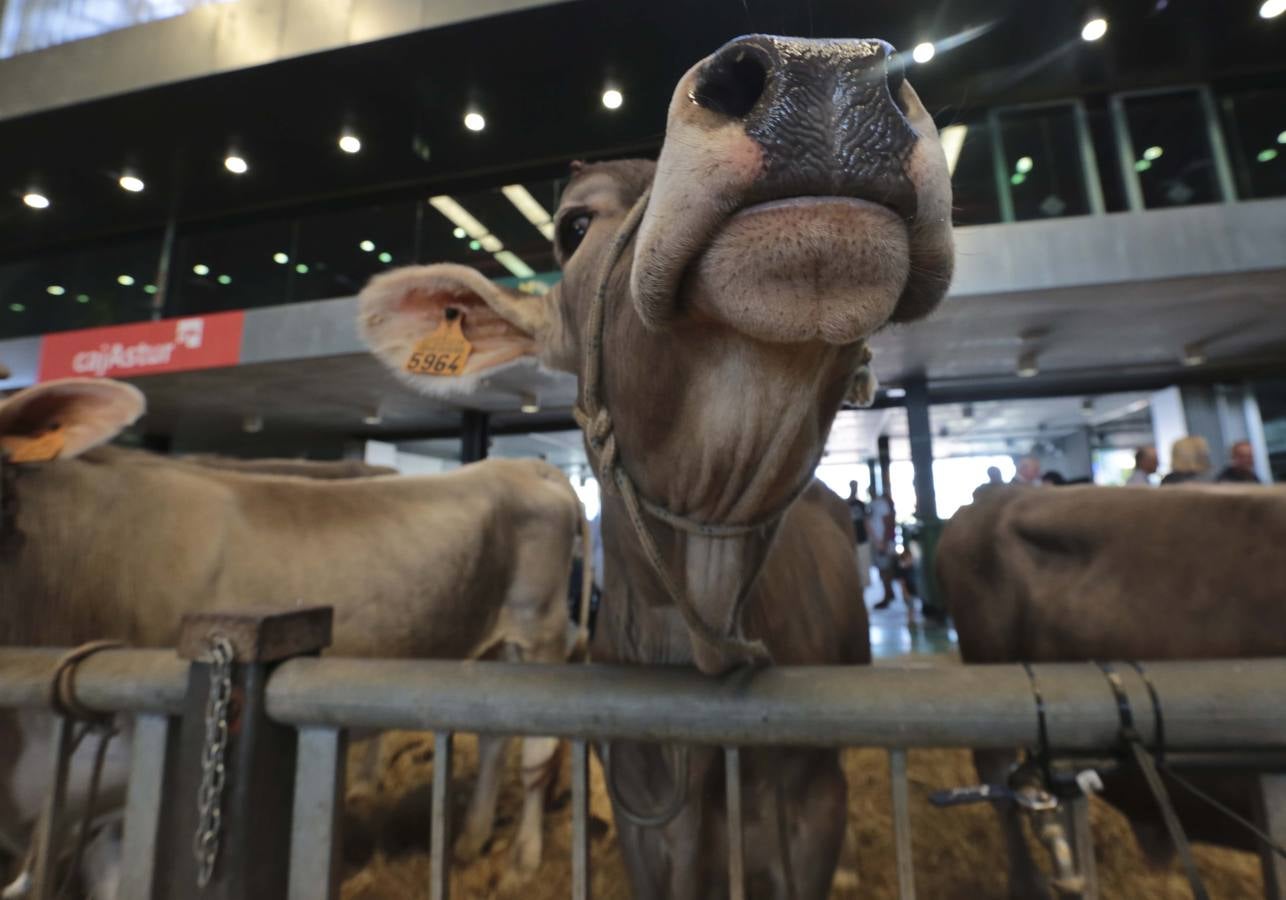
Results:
439 827
318 806
143 803
736 832
45 866
580 821
902 824
137 681
1209 705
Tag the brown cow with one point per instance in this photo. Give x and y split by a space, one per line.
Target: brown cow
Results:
800 202
335 470
1086 573
105 542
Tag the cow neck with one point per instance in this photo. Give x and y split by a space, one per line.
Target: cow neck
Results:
595 419
8 503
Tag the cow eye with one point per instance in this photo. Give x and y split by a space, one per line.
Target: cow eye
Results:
572 230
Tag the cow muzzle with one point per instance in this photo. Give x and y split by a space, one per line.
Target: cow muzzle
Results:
789 191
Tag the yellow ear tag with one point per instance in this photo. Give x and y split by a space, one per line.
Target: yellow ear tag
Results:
442 352
29 448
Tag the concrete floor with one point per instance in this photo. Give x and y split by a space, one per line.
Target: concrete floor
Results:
894 635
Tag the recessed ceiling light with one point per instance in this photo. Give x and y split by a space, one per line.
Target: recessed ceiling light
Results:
149 289
17 307
1267 155
613 98
373 420
1271 9
125 280
1281 138
474 121
1027 365
1142 165
923 52
530 403
131 183
56 289
1017 178
1193 355
1094 29
224 279
1153 153
367 246
35 201
1024 164
82 298
350 143
895 393
301 268
280 258
236 165
201 269
458 232
475 245
385 257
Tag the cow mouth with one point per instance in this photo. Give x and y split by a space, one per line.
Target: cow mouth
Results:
493 339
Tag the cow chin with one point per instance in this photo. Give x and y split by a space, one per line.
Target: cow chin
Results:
808 269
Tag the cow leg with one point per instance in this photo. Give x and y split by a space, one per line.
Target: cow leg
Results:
813 797
481 817
1026 882
539 756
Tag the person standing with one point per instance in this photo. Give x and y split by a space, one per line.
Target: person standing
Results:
882 530
857 512
1028 472
1145 466
1241 465
1189 461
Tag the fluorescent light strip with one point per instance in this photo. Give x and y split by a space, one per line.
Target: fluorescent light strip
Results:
531 209
952 139
459 216
514 264
491 243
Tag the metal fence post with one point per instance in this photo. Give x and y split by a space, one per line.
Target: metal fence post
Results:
439 827
256 801
902 824
153 748
319 803
1078 810
736 830
580 821
1272 818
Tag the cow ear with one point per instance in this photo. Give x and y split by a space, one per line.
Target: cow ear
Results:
415 318
63 419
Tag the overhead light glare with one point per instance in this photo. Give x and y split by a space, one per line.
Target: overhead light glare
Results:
530 208
895 393
1271 9
1027 365
475 245
530 408
474 121
1193 355
613 98
373 420
491 244
125 280
149 289
131 183
56 289
301 268
201 269
923 52
1094 29
458 232
386 257
1024 165
224 279
1267 155
280 258
35 201
82 298
952 139
530 403
366 246
1017 178
1152 154
236 165
1281 138
1142 165
350 143
514 264
17 307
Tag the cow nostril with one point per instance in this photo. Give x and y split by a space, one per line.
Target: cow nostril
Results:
732 82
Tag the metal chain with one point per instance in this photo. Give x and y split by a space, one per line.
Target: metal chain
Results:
209 798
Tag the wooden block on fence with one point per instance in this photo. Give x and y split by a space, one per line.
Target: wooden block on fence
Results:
259 635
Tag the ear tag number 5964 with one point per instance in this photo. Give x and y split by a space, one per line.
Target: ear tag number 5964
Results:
442 352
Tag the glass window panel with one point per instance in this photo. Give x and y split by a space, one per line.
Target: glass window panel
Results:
1103 137
1173 159
973 181
1255 125
338 252
230 267
445 240
1046 177
27 25
106 284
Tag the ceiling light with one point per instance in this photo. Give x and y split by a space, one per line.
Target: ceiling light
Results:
301 268
224 279
459 216
350 143
895 393
613 98
474 121
17 307
1281 138
82 298
252 424
1023 165
201 269
514 264
491 244
149 289
386 257
530 403
125 280
1193 355
1027 366
530 208
1152 154
131 183
475 245
1272 9
1017 178
1267 155
375 419
236 165
366 246
35 201
923 52
1142 165
952 139
56 289
1094 29
458 232
280 258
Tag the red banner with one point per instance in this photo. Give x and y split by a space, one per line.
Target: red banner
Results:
143 348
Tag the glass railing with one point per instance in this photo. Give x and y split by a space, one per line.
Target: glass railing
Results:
1128 152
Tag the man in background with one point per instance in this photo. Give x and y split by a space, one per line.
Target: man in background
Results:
857 512
1145 466
1028 472
1241 465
